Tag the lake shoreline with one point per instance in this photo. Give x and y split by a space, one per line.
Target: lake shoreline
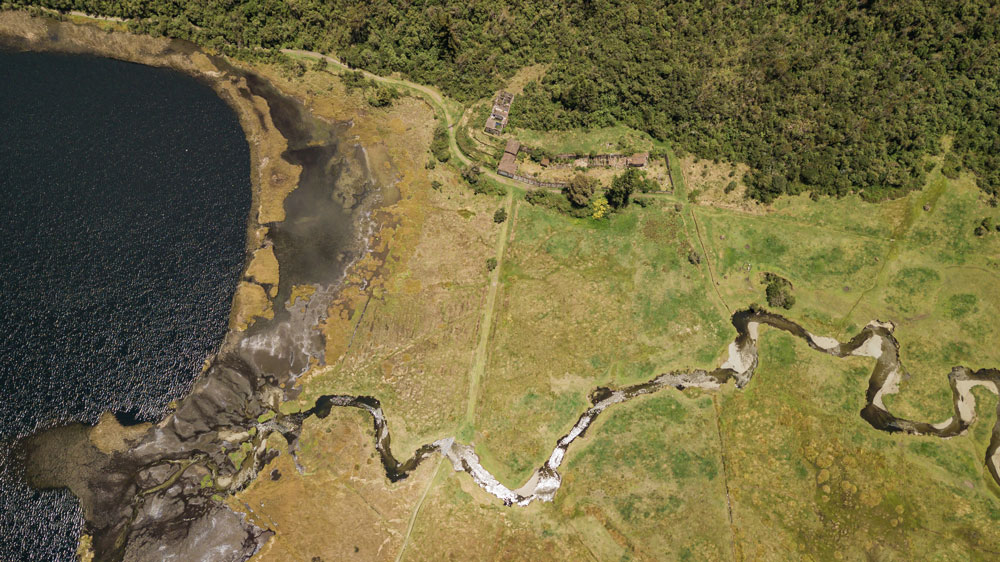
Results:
272 179
159 485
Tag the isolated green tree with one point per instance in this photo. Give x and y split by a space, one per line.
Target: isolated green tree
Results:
622 188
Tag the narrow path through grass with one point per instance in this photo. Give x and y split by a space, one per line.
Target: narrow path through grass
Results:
486 324
929 197
725 475
708 263
416 509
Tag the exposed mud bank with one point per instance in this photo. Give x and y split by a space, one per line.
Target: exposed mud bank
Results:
876 340
157 493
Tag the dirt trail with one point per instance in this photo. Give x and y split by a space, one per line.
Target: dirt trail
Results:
486 324
708 263
416 511
434 97
912 213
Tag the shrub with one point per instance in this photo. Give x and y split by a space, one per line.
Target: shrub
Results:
439 145
500 215
601 208
580 189
353 80
472 174
951 166
539 198
778 291
491 264
382 96
986 226
294 67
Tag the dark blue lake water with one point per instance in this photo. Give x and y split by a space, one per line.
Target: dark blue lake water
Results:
125 194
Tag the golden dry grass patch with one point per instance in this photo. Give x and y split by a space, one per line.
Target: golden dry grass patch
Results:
454 524
396 140
342 507
413 345
249 303
110 436
402 327
300 292
524 75
263 266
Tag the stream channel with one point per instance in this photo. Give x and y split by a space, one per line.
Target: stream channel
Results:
875 340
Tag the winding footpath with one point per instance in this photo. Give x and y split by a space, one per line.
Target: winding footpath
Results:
434 98
876 341
431 95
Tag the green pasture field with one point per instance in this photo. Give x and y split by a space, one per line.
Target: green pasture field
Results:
589 303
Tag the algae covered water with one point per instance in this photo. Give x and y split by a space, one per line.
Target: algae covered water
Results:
125 192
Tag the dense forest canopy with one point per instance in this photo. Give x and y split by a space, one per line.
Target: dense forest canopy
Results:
830 96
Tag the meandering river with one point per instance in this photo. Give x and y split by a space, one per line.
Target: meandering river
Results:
126 191
876 341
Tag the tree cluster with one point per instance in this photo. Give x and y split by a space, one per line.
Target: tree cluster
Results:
632 180
778 291
580 189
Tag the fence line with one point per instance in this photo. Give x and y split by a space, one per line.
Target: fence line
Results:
670 174
538 183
